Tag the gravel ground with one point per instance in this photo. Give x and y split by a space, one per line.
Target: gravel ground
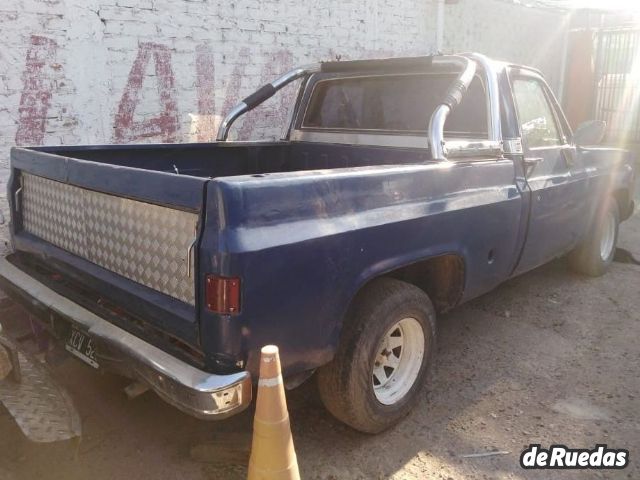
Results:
550 357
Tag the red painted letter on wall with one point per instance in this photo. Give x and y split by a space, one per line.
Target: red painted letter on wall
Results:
36 91
205 88
272 113
166 123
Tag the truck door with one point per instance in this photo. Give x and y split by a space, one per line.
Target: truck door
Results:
555 174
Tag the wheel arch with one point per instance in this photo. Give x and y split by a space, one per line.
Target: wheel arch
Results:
441 276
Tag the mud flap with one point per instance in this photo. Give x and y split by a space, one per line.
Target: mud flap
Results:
41 407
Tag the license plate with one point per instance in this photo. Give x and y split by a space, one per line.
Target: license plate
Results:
81 345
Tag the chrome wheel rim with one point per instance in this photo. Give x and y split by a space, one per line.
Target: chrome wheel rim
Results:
398 361
608 237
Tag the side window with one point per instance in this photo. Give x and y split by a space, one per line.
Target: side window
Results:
539 128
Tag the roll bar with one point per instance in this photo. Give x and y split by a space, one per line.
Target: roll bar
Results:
452 98
468 63
493 90
263 93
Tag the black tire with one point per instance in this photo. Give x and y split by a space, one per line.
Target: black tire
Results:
346 383
587 258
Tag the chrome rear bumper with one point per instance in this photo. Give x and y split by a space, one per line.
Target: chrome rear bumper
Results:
196 392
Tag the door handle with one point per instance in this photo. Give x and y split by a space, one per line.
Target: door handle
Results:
532 161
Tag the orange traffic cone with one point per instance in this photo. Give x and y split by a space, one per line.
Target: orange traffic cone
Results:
273 456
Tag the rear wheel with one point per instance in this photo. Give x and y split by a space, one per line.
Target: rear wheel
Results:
595 254
383 358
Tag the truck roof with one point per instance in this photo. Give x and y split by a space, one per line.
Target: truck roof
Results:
398 63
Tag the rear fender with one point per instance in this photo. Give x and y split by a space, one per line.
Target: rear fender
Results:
400 267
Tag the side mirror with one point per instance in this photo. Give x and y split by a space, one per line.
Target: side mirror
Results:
590 132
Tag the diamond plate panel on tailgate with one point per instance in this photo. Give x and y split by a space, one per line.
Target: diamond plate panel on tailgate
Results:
146 243
53 211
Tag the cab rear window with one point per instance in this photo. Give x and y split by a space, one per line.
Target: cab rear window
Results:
394 104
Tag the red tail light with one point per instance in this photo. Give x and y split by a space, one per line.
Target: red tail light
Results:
223 294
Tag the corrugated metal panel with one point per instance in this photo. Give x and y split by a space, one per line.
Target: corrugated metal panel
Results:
146 243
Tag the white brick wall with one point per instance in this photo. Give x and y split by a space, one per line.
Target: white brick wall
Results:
108 71
509 32
105 71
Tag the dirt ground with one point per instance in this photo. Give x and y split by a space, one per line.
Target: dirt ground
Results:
550 357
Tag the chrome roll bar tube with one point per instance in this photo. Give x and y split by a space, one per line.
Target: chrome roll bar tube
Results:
468 63
453 97
493 90
259 96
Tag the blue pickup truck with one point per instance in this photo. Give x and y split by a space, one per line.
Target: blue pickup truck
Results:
400 189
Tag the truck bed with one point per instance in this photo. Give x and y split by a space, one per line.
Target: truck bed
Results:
212 160
137 226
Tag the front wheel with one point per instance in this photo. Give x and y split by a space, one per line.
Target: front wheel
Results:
383 358
595 254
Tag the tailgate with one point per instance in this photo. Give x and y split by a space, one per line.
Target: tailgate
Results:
127 234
